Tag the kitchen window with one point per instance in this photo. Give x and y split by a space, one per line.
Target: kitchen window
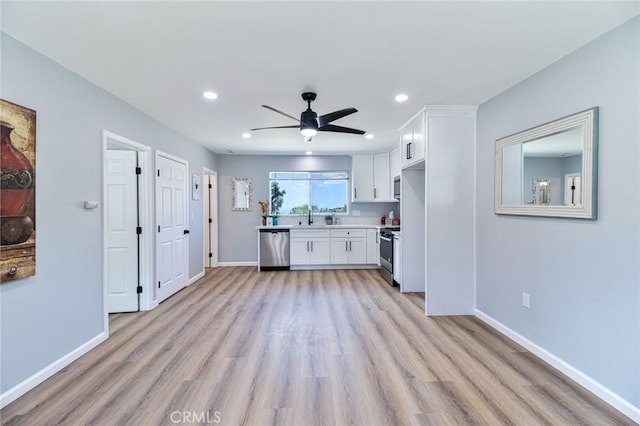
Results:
293 192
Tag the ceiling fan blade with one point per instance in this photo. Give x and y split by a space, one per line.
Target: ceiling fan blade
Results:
278 127
332 116
340 129
279 112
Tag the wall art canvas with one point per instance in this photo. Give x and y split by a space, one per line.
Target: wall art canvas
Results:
17 192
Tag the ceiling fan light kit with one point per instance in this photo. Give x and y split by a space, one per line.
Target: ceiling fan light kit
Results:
309 131
310 124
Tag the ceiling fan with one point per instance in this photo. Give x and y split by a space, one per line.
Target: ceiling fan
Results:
310 124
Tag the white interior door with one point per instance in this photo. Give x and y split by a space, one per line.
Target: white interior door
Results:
171 221
122 239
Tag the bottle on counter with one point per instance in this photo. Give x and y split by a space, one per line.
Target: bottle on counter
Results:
383 220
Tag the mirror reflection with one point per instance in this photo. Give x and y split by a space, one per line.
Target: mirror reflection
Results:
549 170
241 193
549 166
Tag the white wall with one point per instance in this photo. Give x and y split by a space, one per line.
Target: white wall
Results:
583 276
46 317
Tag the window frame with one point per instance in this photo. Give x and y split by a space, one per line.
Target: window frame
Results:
310 195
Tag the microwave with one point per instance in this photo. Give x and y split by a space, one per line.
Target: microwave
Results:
396 187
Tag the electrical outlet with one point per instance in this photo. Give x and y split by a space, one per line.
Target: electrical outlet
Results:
526 300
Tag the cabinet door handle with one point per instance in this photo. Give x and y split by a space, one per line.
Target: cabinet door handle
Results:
349 245
307 245
355 193
375 192
346 246
311 245
406 154
410 153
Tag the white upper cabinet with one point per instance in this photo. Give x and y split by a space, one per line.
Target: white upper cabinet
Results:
381 188
412 140
370 178
394 165
362 178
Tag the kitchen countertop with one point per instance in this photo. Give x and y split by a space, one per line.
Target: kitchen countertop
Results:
323 226
274 227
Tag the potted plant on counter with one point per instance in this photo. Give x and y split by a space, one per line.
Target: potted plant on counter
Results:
328 219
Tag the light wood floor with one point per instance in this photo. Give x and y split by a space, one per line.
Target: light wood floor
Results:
305 348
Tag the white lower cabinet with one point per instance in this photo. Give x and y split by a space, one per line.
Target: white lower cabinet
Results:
348 246
343 246
309 247
348 251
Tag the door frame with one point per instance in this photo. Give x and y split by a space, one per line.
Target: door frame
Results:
145 199
213 262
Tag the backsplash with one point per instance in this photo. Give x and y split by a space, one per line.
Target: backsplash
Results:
369 214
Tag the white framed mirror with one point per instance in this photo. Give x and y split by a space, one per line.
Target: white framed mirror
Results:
241 191
549 170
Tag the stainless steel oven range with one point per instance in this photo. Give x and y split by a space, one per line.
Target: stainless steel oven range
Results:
386 253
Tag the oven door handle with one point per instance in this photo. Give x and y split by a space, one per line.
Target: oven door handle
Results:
385 238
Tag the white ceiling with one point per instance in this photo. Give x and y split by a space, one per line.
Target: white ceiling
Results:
564 144
161 56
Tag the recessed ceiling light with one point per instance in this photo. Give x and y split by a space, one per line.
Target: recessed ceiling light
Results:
246 135
401 97
210 95
368 136
309 152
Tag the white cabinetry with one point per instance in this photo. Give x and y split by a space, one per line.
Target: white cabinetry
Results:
348 246
373 246
394 165
412 140
370 178
381 179
362 178
310 247
438 209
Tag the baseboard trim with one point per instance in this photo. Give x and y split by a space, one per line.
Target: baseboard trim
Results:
595 387
248 263
332 267
26 385
195 278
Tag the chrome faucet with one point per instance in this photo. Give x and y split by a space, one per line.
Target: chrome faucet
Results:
310 218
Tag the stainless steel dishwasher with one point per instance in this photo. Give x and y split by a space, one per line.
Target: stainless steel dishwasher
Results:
274 249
